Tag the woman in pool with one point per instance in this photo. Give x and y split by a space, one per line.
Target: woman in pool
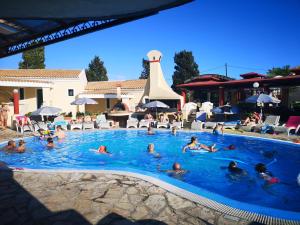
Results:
103 150
219 129
194 145
261 169
152 151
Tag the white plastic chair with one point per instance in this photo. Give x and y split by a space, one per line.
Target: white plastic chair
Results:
176 124
132 122
197 125
102 123
88 123
144 123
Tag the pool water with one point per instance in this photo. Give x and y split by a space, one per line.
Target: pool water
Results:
206 170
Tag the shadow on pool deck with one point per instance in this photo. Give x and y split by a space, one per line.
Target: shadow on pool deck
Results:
19 207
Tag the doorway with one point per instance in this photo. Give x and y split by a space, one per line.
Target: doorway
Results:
39 97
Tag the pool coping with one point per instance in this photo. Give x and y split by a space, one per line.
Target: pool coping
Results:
177 187
181 192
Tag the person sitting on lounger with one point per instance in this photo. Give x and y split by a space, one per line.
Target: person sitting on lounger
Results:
253 118
261 169
148 116
151 150
21 147
194 145
59 133
50 143
219 129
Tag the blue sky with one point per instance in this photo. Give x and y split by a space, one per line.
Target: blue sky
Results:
256 34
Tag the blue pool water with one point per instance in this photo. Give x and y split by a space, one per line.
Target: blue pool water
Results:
207 171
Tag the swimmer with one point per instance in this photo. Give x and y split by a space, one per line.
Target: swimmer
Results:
265 174
150 131
234 169
230 147
176 169
50 143
152 151
174 130
11 146
103 150
194 145
298 179
59 133
21 147
219 129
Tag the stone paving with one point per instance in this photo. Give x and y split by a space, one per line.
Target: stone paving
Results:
65 198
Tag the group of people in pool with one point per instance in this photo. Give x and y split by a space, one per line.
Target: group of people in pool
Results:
12 146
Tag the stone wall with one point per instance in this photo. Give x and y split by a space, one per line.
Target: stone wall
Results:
63 198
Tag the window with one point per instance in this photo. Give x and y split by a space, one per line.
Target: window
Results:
21 94
71 92
107 103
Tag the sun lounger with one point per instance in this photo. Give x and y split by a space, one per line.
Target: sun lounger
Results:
176 124
293 123
197 125
162 125
75 125
88 123
60 121
102 123
270 122
23 124
39 125
132 123
210 125
144 123
231 124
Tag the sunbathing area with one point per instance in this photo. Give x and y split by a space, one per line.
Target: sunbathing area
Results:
170 112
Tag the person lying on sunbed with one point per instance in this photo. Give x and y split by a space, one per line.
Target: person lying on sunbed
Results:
194 145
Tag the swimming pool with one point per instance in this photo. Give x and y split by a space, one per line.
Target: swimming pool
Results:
207 171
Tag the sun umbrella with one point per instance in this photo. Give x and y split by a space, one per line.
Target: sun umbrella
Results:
262 98
155 105
46 111
84 101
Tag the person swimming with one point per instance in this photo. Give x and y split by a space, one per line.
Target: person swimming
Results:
21 147
219 129
235 170
174 130
50 143
11 146
150 131
151 150
194 145
230 147
59 133
103 150
261 169
176 169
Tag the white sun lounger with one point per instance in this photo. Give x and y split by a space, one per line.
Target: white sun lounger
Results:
197 125
144 123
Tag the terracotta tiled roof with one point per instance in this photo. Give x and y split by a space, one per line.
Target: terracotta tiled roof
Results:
112 85
14 79
40 73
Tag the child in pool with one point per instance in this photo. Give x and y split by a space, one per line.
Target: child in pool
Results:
151 150
103 150
235 170
219 129
50 143
194 145
265 174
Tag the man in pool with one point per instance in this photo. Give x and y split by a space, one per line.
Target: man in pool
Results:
219 129
152 151
174 130
150 131
261 169
59 133
235 170
11 146
176 169
21 147
194 145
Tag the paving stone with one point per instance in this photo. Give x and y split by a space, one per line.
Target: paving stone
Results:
140 213
178 203
156 203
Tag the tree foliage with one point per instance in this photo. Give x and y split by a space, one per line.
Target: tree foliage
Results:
33 59
279 71
96 70
185 68
146 69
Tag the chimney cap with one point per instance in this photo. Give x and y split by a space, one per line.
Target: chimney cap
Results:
154 56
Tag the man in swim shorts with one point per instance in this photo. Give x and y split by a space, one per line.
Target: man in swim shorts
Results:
265 174
194 145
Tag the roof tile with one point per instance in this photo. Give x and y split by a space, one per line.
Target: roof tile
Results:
40 73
